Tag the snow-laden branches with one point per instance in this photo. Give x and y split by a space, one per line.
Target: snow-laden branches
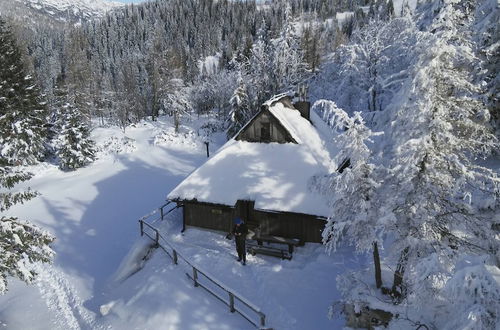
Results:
22 119
354 203
429 202
22 245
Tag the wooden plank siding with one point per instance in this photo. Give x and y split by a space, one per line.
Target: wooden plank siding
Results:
219 217
306 227
265 122
210 216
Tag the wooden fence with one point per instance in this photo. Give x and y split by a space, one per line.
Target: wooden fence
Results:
158 214
230 298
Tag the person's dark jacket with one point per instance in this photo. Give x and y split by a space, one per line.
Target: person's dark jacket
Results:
240 232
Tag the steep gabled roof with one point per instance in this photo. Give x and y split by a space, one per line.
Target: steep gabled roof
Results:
276 176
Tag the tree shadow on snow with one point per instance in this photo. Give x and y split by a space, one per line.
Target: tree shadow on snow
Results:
93 247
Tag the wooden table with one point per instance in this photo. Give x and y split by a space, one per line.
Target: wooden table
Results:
291 242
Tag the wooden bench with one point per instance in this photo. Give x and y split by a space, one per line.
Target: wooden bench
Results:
291 242
253 249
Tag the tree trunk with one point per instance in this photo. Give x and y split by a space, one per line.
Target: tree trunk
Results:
397 286
176 121
376 261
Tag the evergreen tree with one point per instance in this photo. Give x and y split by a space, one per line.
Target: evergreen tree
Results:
241 111
260 68
355 204
436 148
487 36
310 44
22 245
434 213
73 145
289 67
22 110
177 102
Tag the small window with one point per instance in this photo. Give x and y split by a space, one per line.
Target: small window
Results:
216 211
265 132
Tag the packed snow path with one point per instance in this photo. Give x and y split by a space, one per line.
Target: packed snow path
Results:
93 212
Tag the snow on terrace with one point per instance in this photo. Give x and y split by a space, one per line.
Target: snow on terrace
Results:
275 176
294 295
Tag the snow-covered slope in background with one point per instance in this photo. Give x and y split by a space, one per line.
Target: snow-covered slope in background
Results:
97 7
71 11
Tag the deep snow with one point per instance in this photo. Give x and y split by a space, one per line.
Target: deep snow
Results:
276 176
93 212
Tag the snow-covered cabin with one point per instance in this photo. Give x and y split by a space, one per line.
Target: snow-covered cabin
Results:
263 175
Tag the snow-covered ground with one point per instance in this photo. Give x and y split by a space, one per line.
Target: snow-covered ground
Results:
93 212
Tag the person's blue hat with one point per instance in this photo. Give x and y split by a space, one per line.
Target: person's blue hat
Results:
238 221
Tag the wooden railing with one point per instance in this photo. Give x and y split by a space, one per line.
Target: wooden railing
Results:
230 296
160 213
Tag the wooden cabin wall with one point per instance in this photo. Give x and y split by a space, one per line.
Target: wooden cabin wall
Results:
253 133
220 218
209 216
291 225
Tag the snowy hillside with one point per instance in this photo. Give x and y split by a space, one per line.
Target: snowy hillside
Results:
60 10
94 282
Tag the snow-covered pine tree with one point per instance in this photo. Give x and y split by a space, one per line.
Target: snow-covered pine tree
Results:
177 102
22 244
240 108
73 145
22 110
355 204
260 67
354 191
440 130
310 43
289 67
437 203
487 36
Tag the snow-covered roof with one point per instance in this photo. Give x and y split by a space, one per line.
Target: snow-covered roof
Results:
276 176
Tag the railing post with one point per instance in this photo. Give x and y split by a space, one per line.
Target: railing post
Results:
157 238
262 320
231 302
141 224
175 257
195 276
161 212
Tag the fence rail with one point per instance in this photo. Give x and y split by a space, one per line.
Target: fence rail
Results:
160 212
160 242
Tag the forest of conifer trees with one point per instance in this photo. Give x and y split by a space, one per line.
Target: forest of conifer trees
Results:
412 93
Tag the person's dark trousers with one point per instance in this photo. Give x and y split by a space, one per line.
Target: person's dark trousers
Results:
240 248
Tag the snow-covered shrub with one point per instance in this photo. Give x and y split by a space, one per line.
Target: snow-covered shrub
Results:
115 145
182 140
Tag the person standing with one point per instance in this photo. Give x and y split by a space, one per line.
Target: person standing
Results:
240 232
